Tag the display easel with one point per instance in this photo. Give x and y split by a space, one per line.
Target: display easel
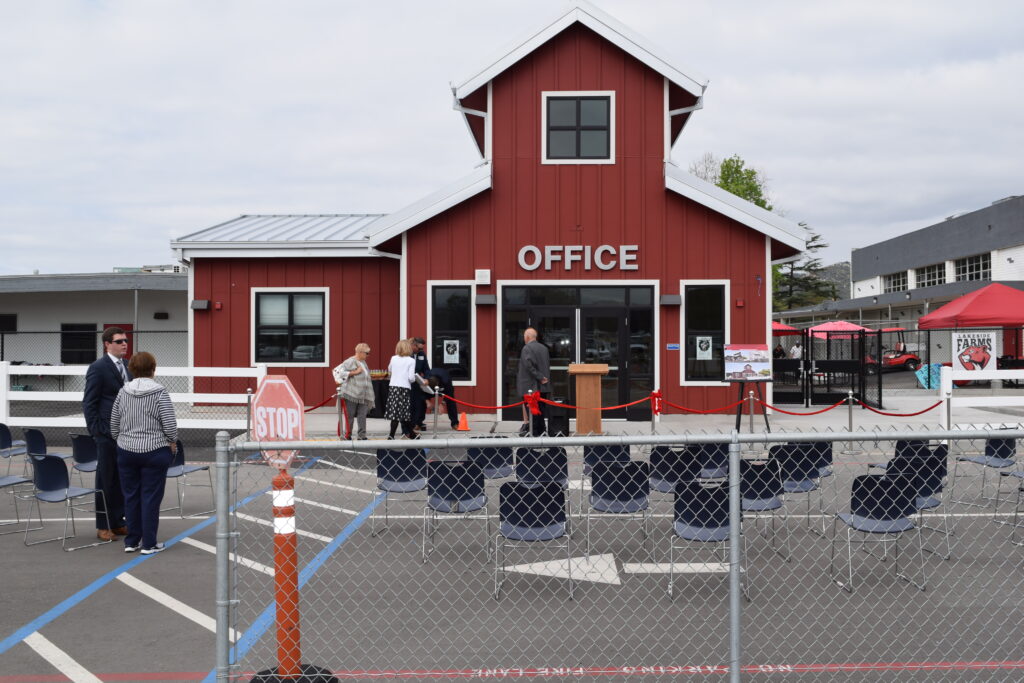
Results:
743 397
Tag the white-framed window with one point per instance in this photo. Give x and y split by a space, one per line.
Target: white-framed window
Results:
973 268
929 276
704 323
578 127
451 329
894 282
290 326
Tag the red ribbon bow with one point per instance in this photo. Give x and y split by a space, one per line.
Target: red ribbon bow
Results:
656 402
532 400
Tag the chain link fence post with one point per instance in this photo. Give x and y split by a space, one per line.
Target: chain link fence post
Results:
735 564
223 505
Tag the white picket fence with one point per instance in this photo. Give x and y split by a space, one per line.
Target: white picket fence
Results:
1012 399
7 397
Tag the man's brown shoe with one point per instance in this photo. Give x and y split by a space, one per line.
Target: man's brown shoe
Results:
121 531
105 535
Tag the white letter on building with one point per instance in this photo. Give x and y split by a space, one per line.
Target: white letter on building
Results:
627 257
529 249
573 252
551 253
599 262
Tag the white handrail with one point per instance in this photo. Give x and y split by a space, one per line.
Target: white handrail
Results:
947 375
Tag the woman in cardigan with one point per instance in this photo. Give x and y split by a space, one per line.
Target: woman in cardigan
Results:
356 389
143 424
403 374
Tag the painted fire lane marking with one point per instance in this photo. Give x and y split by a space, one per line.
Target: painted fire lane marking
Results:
596 568
679 567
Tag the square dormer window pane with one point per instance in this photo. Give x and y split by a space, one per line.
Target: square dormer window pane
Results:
562 112
562 144
273 309
594 112
594 144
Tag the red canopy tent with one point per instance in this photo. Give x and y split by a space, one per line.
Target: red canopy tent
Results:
780 330
993 306
833 328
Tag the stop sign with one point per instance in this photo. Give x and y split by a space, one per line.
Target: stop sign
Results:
277 413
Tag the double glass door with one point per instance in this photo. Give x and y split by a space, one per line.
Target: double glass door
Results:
612 325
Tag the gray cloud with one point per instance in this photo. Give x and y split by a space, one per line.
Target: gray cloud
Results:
124 124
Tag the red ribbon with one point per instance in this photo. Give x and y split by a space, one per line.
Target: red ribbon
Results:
532 401
656 405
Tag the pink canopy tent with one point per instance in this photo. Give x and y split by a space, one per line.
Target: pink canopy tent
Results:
993 306
780 330
833 328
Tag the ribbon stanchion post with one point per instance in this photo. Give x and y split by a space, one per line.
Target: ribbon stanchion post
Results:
850 448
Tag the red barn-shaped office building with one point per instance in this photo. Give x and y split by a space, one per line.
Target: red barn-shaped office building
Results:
576 223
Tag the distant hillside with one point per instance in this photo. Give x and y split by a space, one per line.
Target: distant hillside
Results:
839 275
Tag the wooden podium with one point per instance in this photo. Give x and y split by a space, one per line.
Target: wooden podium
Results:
588 395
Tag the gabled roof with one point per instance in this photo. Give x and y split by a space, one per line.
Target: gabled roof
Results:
608 28
410 216
726 203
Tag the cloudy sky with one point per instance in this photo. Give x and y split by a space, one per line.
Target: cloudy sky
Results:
124 124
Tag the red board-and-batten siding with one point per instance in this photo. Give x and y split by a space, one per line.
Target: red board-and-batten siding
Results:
363 306
621 203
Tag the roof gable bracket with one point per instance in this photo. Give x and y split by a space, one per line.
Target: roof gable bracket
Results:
687 110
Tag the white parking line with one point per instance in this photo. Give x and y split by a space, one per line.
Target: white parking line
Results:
243 561
343 467
300 532
59 659
172 603
325 506
332 484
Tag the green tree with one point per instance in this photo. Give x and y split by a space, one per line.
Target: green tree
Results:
795 284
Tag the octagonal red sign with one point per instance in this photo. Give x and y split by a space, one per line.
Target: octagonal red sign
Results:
278 415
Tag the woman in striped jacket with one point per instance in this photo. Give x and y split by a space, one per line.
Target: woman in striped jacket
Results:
143 424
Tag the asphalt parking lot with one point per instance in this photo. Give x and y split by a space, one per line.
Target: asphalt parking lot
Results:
372 608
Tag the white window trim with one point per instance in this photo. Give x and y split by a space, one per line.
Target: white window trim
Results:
472 324
326 291
726 298
655 313
610 94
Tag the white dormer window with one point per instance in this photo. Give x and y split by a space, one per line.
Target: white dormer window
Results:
579 127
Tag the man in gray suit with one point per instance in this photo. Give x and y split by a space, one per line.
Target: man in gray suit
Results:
535 374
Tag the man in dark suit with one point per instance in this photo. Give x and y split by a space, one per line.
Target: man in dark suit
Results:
103 380
442 380
419 397
534 374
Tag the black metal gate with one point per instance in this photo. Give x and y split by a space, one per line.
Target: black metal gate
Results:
830 366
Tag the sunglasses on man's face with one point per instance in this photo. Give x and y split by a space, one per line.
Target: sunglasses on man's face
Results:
118 341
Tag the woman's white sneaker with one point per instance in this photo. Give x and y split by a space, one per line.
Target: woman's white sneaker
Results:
154 550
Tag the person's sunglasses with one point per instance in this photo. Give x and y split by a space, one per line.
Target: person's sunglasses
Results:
118 341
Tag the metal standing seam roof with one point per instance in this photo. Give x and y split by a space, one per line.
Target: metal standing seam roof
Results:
286 228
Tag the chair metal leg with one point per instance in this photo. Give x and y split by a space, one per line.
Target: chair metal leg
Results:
17 515
568 563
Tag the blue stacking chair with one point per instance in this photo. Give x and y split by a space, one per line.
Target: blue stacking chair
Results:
536 466
761 497
700 517
13 481
801 472
453 489
999 455
52 485
822 453
925 469
35 444
669 466
399 471
595 454
714 459
9 448
529 515
179 471
496 462
83 453
1017 475
618 490
881 507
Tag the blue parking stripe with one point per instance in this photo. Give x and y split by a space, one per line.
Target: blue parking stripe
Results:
66 604
266 618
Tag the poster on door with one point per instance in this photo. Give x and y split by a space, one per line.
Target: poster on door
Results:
974 350
451 351
705 350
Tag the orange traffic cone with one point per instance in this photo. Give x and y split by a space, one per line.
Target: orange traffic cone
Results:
463 423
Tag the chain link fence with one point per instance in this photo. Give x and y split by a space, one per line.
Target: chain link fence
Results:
892 556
